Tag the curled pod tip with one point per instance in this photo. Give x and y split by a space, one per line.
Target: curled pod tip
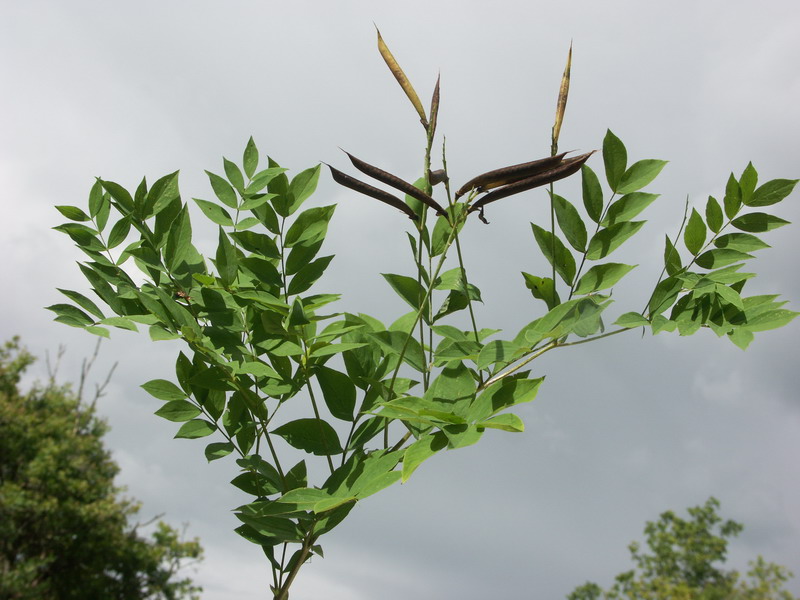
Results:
395 182
364 188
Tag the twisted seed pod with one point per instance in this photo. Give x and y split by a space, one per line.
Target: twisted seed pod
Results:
507 175
565 169
373 192
396 183
401 78
561 105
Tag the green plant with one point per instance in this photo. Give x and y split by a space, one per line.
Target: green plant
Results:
684 563
381 399
64 531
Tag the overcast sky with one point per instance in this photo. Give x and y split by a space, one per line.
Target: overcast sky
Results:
622 430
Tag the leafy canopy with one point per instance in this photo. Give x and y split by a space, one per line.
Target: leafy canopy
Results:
64 531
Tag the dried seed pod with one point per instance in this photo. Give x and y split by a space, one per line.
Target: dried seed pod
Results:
396 183
401 78
372 192
565 169
507 175
438 176
561 105
434 108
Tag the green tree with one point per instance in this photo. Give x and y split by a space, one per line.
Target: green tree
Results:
685 562
64 531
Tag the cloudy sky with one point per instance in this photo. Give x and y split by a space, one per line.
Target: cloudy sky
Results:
622 430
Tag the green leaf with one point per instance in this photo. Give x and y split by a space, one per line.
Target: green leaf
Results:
297 316
714 216
719 257
250 158
120 322
772 192
607 240
601 277
542 288
308 275
329 349
73 213
563 260
258 243
74 316
97 200
162 194
339 392
223 190
273 177
639 175
733 197
227 260
592 193
120 195
83 302
770 320
615 159
631 320
196 428
310 226
179 240
664 295
758 222
695 235
407 288
420 451
119 232
214 212
311 435
747 183
505 422
628 207
730 295
254 203
570 222
178 411
234 174
394 341
503 394
741 337
85 237
743 242
496 352
164 390
302 186
217 450
672 258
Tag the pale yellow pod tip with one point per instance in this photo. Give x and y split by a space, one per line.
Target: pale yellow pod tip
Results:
401 77
561 106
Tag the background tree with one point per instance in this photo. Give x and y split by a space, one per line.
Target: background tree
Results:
686 563
64 530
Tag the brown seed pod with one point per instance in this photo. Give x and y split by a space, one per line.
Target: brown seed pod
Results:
434 108
511 174
565 169
438 176
373 192
401 78
396 183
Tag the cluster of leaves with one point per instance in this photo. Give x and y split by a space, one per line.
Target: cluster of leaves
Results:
379 399
64 533
685 563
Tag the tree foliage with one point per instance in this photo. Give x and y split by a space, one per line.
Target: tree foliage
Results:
64 531
685 562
